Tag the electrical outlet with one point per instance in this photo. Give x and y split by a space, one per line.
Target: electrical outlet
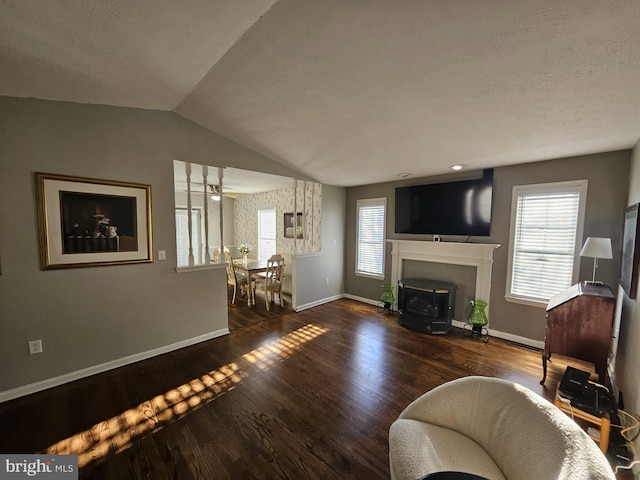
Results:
162 254
35 346
326 282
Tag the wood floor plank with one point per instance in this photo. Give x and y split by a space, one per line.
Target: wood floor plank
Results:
241 315
300 395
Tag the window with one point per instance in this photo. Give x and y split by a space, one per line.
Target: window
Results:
546 231
266 233
370 237
182 236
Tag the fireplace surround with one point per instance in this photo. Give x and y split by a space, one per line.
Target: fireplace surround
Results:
479 255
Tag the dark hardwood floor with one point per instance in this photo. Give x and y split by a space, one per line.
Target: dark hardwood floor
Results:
240 315
307 395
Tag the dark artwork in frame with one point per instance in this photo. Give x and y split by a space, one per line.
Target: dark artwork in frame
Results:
97 222
293 224
630 253
85 222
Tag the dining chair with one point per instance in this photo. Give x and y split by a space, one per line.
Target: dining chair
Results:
236 279
216 254
270 282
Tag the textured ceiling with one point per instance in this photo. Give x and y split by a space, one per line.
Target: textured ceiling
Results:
348 92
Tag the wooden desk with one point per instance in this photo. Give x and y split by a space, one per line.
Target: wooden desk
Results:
579 325
604 423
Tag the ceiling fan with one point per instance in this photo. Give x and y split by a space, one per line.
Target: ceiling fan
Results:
197 189
215 192
212 190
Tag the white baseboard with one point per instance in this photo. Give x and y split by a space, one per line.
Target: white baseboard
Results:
322 301
103 367
456 323
362 299
507 336
86 372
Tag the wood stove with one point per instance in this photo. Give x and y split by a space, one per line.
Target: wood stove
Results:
426 305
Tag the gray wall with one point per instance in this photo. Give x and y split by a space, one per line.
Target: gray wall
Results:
608 176
627 360
312 271
89 316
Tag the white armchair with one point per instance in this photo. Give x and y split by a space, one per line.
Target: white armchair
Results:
495 429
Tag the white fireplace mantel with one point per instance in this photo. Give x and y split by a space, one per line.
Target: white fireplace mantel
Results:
479 255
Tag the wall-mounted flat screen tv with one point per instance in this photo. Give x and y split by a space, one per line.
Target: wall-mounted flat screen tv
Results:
453 208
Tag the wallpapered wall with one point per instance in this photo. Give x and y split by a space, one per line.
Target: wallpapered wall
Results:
309 200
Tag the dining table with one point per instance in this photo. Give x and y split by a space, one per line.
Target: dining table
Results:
252 267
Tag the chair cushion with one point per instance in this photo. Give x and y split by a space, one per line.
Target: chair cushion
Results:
417 449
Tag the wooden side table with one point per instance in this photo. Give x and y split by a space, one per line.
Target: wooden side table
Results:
603 423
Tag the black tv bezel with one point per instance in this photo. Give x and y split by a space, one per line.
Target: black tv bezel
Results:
470 231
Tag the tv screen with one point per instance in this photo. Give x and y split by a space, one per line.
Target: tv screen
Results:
453 208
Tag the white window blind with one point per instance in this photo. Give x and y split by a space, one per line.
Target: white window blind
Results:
370 237
182 236
545 230
266 233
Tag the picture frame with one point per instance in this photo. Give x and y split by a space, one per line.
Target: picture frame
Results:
289 226
630 251
85 222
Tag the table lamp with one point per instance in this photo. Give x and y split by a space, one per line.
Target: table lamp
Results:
596 247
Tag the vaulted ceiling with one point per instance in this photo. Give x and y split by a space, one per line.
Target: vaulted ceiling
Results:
348 92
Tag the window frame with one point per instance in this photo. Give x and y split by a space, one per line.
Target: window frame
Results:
579 186
378 202
261 254
197 233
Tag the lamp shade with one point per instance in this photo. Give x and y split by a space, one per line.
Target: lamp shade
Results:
597 247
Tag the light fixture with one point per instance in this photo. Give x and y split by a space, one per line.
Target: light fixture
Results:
457 166
596 247
215 192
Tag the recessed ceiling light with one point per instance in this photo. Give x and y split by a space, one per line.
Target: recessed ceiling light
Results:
404 175
457 166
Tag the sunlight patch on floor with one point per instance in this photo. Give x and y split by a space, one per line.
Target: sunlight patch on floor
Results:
267 355
118 433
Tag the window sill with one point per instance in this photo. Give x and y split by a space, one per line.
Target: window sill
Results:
198 268
527 301
369 275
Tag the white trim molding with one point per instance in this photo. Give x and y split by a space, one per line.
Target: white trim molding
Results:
529 342
322 301
479 255
104 367
357 298
197 268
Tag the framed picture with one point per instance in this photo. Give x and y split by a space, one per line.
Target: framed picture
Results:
630 253
290 227
84 222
